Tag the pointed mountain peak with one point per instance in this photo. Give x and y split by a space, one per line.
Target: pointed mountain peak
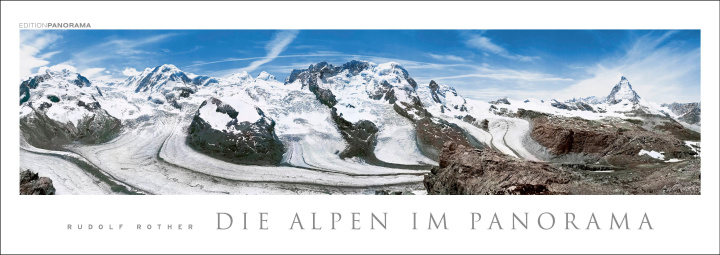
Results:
623 91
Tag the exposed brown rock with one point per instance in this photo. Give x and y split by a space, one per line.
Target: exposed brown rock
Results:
32 184
469 171
432 132
612 138
464 170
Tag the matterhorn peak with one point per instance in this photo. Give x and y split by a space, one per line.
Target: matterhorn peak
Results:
623 91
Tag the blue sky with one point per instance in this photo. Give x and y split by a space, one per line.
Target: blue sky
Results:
662 66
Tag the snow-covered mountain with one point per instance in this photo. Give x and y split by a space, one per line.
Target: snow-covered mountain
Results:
240 78
687 112
265 76
444 96
167 77
58 106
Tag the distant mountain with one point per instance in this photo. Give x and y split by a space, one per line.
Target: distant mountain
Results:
687 112
167 77
240 78
265 76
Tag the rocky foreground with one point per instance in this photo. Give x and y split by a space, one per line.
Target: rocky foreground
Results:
470 171
32 184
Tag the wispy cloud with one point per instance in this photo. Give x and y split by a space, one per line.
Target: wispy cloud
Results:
446 57
510 75
276 46
487 45
202 63
118 49
32 45
96 73
657 67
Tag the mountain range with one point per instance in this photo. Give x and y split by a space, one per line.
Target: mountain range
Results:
359 127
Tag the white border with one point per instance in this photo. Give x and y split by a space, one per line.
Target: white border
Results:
683 224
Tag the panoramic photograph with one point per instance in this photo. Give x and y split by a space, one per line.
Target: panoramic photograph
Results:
360 112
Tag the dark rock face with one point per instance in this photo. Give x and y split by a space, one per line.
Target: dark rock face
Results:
501 101
185 92
434 91
32 184
29 84
44 132
361 137
243 142
468 171
482 124
81 81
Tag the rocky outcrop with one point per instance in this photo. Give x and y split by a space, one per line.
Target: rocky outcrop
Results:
503 100
621 140
468 171
32 184
433 132
237 140
48 133
361 137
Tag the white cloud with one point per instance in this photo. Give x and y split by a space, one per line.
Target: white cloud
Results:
446 57
118 49
130 71
274 48
510 75
32 43
662 74
96 73
487 45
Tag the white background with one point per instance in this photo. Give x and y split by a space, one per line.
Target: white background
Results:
682 224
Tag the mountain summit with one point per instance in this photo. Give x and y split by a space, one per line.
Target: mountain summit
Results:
623 91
